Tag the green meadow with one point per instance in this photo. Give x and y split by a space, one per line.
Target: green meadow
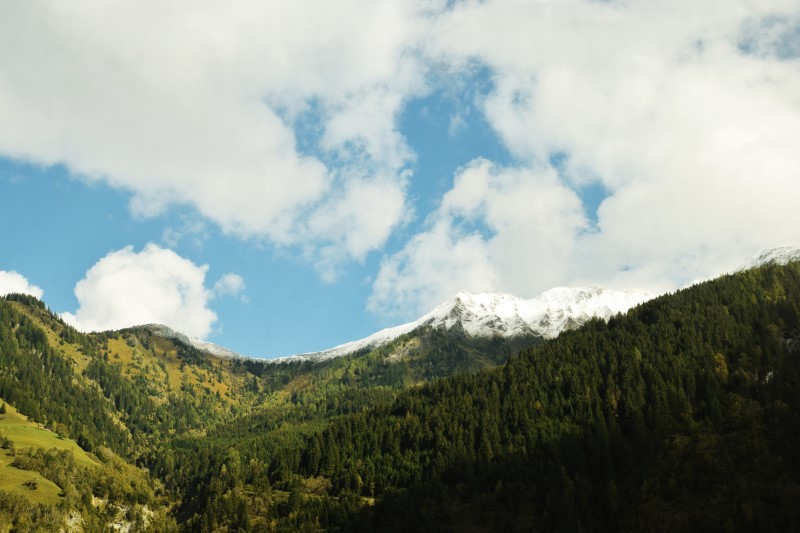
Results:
24 434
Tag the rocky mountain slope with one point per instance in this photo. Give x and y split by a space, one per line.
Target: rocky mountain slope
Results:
503 315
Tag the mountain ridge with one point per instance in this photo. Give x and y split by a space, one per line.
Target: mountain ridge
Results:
779 256
476 315
204 346
492 314
503 315
705 377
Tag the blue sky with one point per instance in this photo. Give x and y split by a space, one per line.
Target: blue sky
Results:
280 178
286 308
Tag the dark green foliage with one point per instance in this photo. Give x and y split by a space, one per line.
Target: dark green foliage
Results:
39 381
125 395
270 441
682 415
21 515
26 299
112 480
191 355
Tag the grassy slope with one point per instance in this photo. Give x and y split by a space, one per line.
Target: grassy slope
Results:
137 360
72 351
159 364
25 434
295 403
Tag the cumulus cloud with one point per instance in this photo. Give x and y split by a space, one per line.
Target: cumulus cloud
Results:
693 136
127 288
362 213
278 121
14 282
229 284
497 229
687 114
197 103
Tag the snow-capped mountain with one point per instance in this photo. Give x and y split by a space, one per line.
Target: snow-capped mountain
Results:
203 346
497 314
504 315
780 256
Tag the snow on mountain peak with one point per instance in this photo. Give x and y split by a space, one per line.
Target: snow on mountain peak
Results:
779 256
504 315
489 314
203 346
498 314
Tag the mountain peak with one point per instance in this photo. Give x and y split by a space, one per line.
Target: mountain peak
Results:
203 346
504 315
462 296
779 256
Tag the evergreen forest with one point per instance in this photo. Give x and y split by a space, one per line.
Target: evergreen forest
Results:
681 415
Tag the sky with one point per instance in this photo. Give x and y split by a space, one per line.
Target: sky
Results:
280 177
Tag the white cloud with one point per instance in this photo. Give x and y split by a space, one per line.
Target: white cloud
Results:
196 103
687 113
191 229
364 212
229 284
127 288
432 266
497 229
694 138
14 282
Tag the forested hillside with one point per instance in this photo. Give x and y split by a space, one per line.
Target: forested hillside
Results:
161 405
681 415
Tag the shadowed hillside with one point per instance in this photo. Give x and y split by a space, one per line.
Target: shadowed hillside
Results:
680 415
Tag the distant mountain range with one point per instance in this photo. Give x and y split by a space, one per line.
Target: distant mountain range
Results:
503 315
685 407
474 315
488 315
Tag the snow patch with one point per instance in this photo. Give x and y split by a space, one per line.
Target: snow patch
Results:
777 256
497 314
503 315
203 346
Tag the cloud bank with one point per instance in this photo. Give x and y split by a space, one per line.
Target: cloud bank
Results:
686 114
278 121
201 104
480 239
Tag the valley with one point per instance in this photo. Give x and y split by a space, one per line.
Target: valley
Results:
686 406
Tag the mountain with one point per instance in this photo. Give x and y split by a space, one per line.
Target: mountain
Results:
502 315
75 412
777 256
172 407
484 315
207 347
497 314
680 414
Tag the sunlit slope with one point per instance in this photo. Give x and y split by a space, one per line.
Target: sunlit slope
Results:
17 432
